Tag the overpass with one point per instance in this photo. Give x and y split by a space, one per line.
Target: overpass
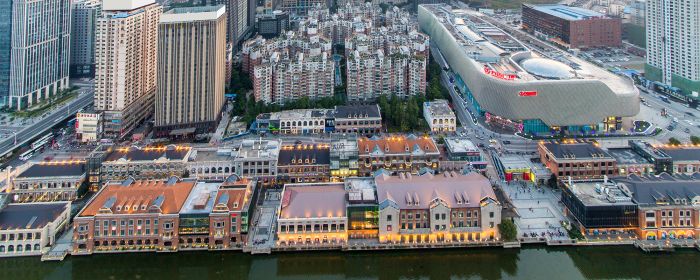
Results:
33 131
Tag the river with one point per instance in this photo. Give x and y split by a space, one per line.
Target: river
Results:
527 263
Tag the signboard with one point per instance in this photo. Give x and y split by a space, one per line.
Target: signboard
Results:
496 74
527 93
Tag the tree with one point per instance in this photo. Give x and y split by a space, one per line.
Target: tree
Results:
695 140
673 141
508 230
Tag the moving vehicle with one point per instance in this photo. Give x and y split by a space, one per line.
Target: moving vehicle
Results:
664 99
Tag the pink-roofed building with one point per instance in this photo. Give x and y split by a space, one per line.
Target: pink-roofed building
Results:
448 207
312 214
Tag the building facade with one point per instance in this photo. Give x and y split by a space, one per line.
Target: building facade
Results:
436 209
258 159
49 181
304 163
126 47
88 126
312 215
578 160
131 216
439 116
30 229
344 157
35 52
82 44
360 119
574 27
673 45
211 163
191 70
397 153
144 163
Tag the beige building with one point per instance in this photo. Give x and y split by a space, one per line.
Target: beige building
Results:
125 58
439 116
191 70
88 126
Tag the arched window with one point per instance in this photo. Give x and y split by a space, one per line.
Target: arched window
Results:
11 248
28 248
37 247
2 248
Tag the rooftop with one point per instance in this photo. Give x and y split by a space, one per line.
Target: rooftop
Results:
298 114
663 189
397 144
566 12
357 111
232 199
690 153
417 192
124 5
200 155
575 150
54 169
504 57
188 14
266 149
304 153
627 156
438 108
201 198
601 194
133 197
135 153
460 145
361 190
30 215
320 200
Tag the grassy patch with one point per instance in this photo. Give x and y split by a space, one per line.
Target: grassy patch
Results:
44 106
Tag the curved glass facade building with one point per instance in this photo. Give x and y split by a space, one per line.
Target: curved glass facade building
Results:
534 98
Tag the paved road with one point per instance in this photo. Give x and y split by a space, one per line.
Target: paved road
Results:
53 118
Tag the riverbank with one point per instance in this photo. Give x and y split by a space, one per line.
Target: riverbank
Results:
529 262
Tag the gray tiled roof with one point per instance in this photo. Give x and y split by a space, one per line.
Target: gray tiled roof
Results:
649 189
53 170
30 215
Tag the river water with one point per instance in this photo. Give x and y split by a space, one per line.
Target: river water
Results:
527 263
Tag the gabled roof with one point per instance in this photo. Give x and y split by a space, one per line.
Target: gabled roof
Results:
417 192
140 197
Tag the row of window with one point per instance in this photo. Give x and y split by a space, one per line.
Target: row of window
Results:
20 236
308 228
19 248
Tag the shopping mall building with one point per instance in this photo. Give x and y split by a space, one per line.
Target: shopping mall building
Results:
519 89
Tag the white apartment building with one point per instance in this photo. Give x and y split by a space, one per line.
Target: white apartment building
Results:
125 58
35 52
287 68
673 45
439 116
82 43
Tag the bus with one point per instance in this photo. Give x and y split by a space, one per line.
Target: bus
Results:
26 155
41 142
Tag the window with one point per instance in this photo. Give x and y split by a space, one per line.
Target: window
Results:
651 224
388 218
444 217
437 216
342 227
491 215
417 216
334 227
437 227
650 214
308 228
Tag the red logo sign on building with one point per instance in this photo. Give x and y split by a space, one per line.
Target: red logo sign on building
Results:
528 93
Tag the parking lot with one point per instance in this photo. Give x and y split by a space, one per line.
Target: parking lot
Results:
614 58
